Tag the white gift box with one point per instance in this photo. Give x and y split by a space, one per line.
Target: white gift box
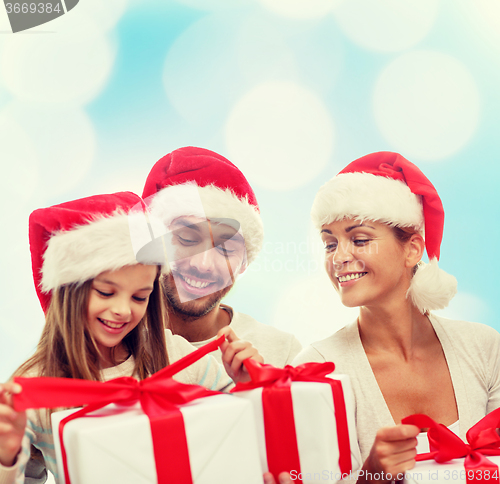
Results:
117 447
316 429
452 472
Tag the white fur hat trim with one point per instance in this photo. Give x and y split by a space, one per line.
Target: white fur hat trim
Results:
80 254
367 197
210 202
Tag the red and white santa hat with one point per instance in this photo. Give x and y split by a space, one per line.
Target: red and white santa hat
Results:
386 187
199 182
76 241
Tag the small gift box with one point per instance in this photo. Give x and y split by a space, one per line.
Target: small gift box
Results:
152 431
305 420
451 460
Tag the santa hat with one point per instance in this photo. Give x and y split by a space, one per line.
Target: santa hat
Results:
386 187
199 182
76 241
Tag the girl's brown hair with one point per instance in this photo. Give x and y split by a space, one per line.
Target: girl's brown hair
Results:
67 349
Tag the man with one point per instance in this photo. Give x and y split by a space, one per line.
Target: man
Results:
214 233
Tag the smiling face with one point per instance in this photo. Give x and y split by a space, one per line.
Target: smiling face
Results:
117 302
205 257
367 265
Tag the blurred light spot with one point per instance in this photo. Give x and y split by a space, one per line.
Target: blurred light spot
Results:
280 135
212 4
264 52
270 50
68 68
4 22
20 165
301 9
201 75
22 317
63 142
467 307
386 25
426 104
316 312
124 179
104 14
484 16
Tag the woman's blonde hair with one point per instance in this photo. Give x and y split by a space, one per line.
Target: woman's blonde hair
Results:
67 349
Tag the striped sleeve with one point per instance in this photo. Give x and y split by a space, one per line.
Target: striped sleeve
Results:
212 375
206 372
15 474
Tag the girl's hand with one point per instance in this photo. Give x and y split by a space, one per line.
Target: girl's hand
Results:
12 425
234 352
392 453
284 478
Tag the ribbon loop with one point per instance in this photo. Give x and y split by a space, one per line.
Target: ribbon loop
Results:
482 440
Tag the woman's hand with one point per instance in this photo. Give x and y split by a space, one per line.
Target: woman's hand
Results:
234 352
392 454
12 425
284 478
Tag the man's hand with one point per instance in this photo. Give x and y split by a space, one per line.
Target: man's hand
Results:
234 352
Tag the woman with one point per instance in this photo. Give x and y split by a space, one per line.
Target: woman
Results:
376 218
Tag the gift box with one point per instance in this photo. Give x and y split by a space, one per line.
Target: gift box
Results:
451 460
305 420
152 431
114 444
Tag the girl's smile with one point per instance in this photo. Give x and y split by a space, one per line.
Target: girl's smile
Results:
111 326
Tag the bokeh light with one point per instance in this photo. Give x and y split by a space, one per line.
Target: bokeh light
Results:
205 87
67 68
311 309
280 134
426 104
63 141
386 25
299 9
467 307
20 167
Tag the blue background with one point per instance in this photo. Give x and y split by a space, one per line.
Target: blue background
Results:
290 91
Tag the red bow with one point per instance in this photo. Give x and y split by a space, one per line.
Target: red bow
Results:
482 440
281 438
159 396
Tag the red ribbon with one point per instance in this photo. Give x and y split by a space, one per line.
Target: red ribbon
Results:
279 423
159 396
482 440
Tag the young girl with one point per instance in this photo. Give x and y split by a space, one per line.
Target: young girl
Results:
376 217
104 318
